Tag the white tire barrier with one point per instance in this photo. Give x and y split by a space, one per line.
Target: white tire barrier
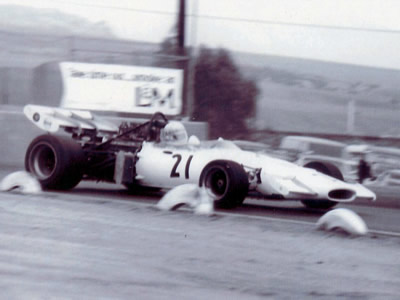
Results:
22 182
343 219
187 194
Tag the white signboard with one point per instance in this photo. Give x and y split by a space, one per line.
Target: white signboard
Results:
142 90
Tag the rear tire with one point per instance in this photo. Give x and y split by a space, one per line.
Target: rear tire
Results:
327 169
226 182
56 161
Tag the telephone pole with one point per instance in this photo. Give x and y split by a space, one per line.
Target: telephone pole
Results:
192 59
189 68
181 27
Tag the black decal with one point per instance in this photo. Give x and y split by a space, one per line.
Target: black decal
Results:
187 166
36 117
178 160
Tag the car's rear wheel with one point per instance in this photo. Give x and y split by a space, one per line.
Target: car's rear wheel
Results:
57 162
327 169
226 182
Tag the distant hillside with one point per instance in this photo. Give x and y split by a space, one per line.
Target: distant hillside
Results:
319 75
306 96
49 21
314 96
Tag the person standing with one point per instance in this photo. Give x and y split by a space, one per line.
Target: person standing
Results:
364 170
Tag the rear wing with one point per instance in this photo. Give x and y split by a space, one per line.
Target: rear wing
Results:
51 119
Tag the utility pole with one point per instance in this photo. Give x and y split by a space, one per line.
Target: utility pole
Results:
181 27
189 68
192 58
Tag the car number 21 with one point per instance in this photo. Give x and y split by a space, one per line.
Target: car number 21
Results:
178 160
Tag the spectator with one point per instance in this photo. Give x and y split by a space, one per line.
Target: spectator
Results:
364 170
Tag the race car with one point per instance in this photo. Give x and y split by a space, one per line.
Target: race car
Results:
159 154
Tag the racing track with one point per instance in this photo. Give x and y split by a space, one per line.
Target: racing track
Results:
97 241
381 217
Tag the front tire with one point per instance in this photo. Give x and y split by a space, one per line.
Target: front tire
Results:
226 182
327 169
57 162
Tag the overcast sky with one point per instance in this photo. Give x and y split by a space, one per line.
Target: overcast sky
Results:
365 32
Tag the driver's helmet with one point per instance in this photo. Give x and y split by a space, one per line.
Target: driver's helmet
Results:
174 133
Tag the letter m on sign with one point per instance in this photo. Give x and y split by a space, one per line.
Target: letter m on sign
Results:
154 97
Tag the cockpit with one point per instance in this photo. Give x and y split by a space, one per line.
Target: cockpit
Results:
174 133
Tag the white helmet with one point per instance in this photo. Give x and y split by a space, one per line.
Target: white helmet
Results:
174 133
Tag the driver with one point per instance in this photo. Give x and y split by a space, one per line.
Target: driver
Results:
174 133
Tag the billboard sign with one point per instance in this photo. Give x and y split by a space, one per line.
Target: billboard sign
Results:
130 89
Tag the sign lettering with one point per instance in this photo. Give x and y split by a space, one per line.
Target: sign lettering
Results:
141 90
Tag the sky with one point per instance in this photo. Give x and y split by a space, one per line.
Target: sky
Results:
361 32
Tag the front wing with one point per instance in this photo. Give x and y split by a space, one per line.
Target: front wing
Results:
309 184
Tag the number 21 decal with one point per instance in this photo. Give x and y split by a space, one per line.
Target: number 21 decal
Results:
178 158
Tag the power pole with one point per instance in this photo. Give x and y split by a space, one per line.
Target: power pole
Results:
189 68
192 58
181 27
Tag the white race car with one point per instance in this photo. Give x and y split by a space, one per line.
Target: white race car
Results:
158 153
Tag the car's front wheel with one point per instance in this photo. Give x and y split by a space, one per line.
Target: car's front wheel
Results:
226 182
56 161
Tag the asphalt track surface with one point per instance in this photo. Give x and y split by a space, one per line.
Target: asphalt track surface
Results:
100 242
381 218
